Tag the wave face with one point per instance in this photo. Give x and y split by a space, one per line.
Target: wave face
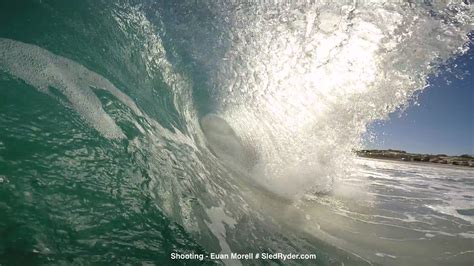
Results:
133 129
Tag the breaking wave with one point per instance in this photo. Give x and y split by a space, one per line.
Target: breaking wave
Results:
220 114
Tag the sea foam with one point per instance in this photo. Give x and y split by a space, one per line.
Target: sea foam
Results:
43 69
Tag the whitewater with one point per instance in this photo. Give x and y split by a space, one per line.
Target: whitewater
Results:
133 130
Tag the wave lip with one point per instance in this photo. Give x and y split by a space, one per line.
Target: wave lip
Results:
304 80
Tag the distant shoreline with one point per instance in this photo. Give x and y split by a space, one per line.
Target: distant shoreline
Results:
398 155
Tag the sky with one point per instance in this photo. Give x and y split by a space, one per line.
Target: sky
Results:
443 121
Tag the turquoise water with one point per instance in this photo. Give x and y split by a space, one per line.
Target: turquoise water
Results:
105 154
69 195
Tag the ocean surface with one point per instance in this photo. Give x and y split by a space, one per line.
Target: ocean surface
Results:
131 130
